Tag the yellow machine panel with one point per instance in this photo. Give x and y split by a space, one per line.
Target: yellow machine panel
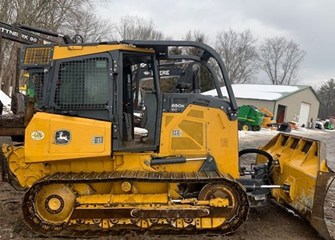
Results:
55 137
189 133
74 51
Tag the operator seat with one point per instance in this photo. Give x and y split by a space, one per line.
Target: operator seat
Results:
150 114
189 80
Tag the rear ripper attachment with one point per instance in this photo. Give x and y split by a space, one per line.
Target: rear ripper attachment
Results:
301 165
65 204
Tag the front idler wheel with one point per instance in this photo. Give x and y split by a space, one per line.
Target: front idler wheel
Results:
237 209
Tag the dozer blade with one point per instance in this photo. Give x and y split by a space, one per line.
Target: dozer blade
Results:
300 163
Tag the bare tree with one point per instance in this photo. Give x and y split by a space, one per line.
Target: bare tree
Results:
137 28
196 35
50 15
6 13
239 52
6 7
89 26
280 59
56 15
326 94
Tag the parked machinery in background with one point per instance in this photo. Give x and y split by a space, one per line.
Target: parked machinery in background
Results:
250 118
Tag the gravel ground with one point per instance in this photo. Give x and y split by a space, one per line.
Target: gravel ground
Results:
270 222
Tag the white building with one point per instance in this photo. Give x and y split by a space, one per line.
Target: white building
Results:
287 103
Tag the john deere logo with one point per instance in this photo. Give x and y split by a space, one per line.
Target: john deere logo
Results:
37 135
62 137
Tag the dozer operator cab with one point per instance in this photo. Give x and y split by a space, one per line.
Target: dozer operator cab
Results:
102 82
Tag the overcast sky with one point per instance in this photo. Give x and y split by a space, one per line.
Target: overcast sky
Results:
311 23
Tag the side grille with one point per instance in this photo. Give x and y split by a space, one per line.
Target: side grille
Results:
37 56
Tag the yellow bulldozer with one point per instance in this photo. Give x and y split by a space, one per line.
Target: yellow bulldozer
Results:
84 168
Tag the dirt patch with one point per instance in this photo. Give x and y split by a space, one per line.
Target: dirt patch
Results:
329 208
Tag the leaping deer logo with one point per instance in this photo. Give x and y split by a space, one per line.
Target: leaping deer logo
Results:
62 137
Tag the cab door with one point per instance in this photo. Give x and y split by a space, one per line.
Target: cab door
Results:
138 104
